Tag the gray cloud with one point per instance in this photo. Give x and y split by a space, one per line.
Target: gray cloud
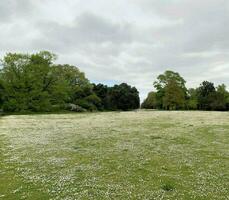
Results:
88 32
124 41
11 9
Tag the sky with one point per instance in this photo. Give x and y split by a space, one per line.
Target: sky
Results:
132 41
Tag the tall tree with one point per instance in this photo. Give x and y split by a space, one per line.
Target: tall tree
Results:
27 80
1 93
150 102
220 98
123 97
192 100
166 97
102 91
74 78
205 95
34 83
174 97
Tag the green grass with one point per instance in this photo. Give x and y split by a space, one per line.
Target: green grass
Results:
115 155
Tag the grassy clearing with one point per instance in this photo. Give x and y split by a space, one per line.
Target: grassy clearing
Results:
126 155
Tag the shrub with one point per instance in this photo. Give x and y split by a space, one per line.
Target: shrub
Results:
75 108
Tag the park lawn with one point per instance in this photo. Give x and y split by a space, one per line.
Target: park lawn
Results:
115 155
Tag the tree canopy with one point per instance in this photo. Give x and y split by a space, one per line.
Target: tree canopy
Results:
34 83
171 91
118 97
150 102
172 94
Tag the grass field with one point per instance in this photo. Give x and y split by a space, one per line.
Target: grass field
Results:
115 155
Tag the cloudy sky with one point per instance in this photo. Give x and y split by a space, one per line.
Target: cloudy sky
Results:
131 41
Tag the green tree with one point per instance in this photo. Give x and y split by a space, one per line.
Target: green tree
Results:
220 98
123 97
102 91
118 97
27 80
174 97
150 102
192 100
1 93
165 96
34 83
79 90
206 95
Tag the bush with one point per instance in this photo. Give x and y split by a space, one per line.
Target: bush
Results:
86 105
10 106
75 108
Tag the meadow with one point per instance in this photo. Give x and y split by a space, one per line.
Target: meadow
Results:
115 155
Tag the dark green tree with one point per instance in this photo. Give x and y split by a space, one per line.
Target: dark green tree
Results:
220 98
1 94
123 97
118 97
206 94
102 91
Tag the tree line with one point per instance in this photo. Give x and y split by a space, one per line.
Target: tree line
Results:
171 94
34 83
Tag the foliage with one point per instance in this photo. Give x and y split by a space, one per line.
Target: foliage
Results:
1 94
174 97
220 98
171 91
171 94
205 95
192 101
34 83
118 97
28 82
124 97
102 91
150 102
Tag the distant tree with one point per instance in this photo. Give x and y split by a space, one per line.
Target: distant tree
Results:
150 102
118 97
220 98
174 97
102 91
123 97
79 90
206 95
227 101
171 90
192 100
1 94
32 82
